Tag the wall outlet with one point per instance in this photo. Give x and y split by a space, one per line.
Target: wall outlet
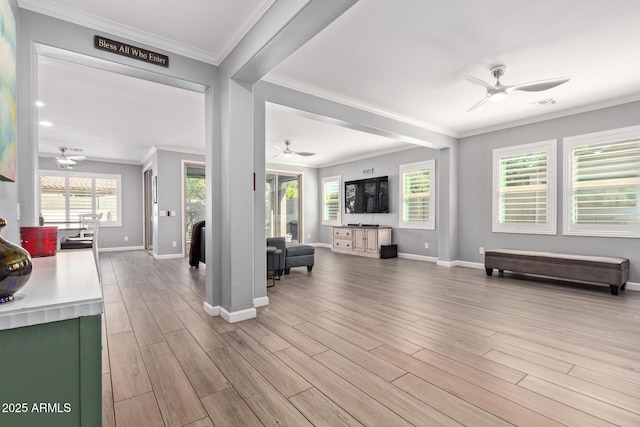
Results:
481 250
426 245
172 213
309 236
126 238
174 244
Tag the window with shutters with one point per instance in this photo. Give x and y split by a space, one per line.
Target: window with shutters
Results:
64 196
524 188
602 184
417 195
331 200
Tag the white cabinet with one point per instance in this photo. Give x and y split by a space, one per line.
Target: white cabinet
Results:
363 241
342 239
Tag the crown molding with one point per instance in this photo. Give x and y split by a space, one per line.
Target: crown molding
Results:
241 29
351 102
47 7
554 115
178 149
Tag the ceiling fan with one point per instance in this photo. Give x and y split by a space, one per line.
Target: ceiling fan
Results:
500 91
63 159
288 152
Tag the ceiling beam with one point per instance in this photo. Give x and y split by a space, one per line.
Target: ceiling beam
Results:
306 22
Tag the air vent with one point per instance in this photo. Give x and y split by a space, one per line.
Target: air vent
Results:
543 102
367 171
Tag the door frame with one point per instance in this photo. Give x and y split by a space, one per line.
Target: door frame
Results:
148 207
300 196
184 164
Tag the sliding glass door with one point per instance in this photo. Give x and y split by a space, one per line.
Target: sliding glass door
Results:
194 204
283 215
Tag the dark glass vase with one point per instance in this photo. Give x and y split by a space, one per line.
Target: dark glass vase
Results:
15 267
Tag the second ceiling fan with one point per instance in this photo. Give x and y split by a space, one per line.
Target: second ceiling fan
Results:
288 152
499 91
64 159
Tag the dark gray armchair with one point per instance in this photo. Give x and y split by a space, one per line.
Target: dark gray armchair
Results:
279 260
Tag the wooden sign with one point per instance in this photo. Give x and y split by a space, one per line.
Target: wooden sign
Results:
130 51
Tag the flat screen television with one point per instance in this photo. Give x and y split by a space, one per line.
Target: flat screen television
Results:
367 195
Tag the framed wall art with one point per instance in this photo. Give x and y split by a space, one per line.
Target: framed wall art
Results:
8 123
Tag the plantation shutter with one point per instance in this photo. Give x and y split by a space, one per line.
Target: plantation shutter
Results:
417 195
606 183
107 199
331 200
523 188
80 197
52 198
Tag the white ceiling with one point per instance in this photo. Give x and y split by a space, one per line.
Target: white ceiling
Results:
404 59
112 116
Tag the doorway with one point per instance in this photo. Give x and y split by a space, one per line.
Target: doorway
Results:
283 213
74 85
194 191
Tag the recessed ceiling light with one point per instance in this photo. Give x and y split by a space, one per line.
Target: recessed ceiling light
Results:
39 104
46 123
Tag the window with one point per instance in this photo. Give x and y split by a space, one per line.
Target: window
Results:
524 188
417 191
331 200
602 183
66 195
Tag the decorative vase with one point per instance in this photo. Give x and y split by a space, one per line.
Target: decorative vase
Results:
15 267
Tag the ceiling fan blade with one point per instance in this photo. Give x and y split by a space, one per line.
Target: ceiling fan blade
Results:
279 154
76 158
539 85
477 81
303 153
479 103
281 149
65 161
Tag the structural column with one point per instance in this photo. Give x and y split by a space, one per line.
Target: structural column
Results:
236 244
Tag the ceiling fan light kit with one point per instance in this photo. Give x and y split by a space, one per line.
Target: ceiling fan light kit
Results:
63 159
498 92
288 152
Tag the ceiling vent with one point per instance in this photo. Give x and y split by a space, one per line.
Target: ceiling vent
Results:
543 102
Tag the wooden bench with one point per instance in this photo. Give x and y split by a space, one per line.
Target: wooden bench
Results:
613 271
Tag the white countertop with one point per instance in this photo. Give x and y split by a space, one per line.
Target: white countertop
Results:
64 286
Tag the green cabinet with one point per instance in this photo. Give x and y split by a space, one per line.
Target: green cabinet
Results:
50 374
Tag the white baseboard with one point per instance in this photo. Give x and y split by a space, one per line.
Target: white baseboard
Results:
238 316
418 257
321 245
260 302
211 310
122 249
631 286
168 256
469 264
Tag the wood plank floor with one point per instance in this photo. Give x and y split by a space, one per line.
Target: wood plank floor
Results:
363 341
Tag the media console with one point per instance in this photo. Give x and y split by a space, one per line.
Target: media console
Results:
362 240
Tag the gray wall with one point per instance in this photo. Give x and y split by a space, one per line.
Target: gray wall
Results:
310 200
475 188
168 168
132 216
410 241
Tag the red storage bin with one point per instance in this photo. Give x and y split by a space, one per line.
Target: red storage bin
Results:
39 241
